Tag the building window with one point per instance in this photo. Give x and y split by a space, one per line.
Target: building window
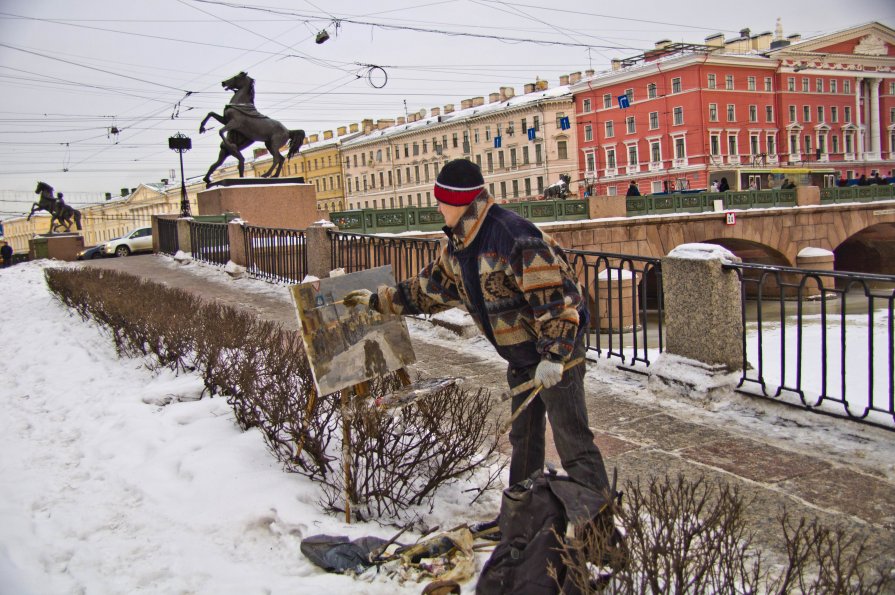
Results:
513 162
711 84
537 123
772 145
629 123
750 83
610 159
715 144
820 85
753 113
562 150
808 143
820 114
680 148
728 82
731 112
768 113
806 113
732 145
607 100
525 155
753 144
791 83
676 85
792 113
515 188
539 156
655 152
588 133
651 91
610 129
611 191
528 182
804 84
501 162
503 189
632 156
834 143
768 84
846 116
713 112
834 114
591 165
454 140
846 87
630 94
585 105
653 120
834 84
678 116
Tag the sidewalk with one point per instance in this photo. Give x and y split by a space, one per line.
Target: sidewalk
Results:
814 466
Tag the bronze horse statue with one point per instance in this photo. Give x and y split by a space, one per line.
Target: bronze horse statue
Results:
62 215
244 125
559 189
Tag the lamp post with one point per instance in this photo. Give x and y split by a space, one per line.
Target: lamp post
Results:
181 143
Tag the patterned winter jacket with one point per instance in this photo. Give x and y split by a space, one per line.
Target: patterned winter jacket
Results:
512 278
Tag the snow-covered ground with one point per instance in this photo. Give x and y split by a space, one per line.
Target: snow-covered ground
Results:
117 479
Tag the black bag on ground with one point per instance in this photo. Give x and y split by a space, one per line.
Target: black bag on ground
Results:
534 515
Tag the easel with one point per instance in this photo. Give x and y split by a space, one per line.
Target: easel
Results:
361 390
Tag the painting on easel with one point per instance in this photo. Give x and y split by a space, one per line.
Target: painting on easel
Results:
347 346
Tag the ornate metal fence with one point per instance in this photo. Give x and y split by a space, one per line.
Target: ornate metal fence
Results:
356 252
276 254
210 242
625 302
167 236
820 340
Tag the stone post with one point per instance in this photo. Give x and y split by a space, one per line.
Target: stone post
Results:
807 196
603 207
816 259
236 237
184 244
703 324
319 247
703 311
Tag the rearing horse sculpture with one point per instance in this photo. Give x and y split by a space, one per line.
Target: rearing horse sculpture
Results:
244 125
61 214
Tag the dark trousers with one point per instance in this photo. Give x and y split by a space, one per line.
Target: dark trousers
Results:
564 404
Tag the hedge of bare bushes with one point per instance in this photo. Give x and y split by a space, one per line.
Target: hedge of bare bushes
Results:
398 459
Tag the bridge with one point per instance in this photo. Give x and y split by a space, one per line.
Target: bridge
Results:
861 235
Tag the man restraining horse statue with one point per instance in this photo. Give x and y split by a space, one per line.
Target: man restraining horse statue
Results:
61 215
244 125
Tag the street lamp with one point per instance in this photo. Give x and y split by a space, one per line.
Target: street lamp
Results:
181 143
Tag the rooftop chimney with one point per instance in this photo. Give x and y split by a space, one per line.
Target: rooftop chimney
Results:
589 72
327 134
465 103
493 97
616 64
353 127
385 123
762 41
367 123
435 112
342 130
507 93
745 32
574 77
529 88
448 108
563 80
401 120
477 101
541 85
313 138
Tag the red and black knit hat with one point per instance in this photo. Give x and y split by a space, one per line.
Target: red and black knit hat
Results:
459 182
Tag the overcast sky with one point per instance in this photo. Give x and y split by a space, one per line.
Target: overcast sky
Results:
71 71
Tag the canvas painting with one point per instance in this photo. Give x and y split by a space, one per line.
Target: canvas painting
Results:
347 346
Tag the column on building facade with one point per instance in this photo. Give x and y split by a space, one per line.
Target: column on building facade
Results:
874 124
859 119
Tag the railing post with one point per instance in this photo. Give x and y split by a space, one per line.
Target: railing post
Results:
236 235
319 248
807 196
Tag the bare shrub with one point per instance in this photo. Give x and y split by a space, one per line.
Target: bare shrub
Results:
399 458
690 536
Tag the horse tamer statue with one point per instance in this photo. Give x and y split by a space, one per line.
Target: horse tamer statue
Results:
62 215
244 125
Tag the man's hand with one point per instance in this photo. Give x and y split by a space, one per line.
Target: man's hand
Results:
548 373
358 297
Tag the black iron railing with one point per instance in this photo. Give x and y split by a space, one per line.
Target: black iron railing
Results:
210 242
625 301
356 252
167 236
820 340
276 254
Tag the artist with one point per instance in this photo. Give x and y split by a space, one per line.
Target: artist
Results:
518 286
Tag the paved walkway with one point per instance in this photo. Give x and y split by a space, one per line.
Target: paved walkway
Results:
813 466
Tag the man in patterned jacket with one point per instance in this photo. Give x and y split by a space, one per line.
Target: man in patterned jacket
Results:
517 285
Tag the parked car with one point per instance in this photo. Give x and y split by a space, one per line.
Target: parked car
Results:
98 251
138 240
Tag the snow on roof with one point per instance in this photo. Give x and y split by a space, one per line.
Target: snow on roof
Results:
560 92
